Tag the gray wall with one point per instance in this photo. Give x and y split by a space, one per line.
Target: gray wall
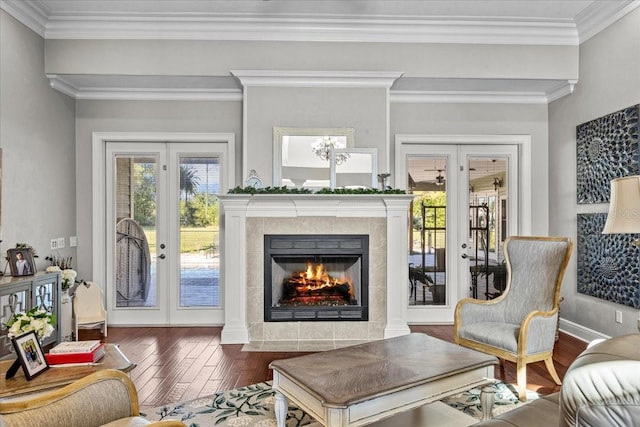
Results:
216 58
38 145
364 109
609 81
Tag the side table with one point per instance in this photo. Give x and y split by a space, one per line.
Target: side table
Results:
60 375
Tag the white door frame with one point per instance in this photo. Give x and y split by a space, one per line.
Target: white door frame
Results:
98 203
524 179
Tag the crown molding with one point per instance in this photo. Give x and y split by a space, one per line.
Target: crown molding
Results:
248 27
260 28
175 88
600 15
61 84
33 15
285 78
466 97
482 96
561 90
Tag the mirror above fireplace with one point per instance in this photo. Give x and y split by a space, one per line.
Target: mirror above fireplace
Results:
302 155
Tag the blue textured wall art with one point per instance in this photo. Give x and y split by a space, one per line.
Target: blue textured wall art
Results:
608 264
607 148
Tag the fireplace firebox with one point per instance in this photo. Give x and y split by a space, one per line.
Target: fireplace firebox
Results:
316 277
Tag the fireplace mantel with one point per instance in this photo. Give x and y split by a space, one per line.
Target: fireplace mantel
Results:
337 205
237 208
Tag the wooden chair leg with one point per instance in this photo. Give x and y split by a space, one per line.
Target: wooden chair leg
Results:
521 370
552 370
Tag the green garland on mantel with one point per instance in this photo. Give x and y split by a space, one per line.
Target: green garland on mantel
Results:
287 190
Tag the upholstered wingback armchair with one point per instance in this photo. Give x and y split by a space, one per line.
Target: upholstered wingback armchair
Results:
104 398
520 325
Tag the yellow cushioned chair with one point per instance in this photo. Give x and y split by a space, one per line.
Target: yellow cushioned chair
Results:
104 398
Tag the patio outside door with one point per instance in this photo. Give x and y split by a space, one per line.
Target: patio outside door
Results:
465 205
163 235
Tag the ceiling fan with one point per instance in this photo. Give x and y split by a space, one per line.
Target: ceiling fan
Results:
439 178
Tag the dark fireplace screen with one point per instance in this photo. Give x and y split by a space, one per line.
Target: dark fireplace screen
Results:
316 277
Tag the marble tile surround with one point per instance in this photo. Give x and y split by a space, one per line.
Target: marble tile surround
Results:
260 331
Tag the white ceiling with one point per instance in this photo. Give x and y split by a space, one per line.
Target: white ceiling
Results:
542 22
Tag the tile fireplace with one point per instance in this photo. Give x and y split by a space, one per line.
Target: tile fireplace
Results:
250 220
316 277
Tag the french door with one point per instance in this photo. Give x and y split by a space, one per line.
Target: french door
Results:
466 203
162 232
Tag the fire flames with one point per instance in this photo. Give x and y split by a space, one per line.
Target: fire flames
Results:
314 286
316 277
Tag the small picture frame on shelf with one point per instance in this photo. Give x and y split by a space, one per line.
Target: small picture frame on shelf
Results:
30 354
21 262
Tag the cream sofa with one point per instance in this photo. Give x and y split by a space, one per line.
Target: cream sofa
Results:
600 388
104 398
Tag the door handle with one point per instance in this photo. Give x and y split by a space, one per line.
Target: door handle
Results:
465 256
162 256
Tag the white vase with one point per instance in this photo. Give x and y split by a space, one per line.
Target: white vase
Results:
65 320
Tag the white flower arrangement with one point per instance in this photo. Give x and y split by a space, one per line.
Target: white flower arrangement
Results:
68 275
39 321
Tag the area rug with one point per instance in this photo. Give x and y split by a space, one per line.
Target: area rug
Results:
253 406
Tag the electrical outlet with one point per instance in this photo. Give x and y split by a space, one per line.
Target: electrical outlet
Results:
54 243
73 241
60 242
618 316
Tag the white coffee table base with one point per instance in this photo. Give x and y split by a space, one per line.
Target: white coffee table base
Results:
380 407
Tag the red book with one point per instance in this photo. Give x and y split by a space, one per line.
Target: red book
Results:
84 357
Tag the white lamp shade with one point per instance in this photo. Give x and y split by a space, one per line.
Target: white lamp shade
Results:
624 208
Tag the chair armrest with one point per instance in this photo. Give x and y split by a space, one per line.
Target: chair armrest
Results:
94 400
474 310
538 331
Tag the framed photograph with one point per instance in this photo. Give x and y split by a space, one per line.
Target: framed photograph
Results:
21 262
30 354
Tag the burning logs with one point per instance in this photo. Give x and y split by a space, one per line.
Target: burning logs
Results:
316 287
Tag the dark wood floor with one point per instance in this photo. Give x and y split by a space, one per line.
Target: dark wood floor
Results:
175 364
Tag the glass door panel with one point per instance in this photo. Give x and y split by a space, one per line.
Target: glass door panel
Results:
427 260
491 200
199 244
487 184
135 209
136 289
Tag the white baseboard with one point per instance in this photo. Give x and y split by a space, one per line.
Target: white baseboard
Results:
234 335
580 332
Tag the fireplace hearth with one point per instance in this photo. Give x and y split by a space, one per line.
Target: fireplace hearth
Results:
316 277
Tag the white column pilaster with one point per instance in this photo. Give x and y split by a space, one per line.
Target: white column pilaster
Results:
397 266
234 271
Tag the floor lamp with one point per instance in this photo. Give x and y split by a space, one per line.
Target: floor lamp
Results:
624 209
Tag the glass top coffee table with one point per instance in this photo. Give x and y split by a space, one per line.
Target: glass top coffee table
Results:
358 385
58 376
